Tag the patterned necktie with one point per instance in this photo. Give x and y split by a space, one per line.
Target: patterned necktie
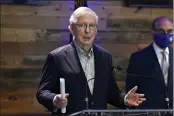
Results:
164 66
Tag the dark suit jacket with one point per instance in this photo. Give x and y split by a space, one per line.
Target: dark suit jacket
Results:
64 62
145 63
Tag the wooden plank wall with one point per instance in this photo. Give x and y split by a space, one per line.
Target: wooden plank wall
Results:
28 33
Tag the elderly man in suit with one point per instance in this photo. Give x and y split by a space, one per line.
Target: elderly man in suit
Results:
78 62
153 67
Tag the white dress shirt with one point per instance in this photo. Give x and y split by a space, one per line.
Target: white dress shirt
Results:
87 62
160 56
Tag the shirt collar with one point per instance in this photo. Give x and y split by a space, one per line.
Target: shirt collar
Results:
80 51
159 50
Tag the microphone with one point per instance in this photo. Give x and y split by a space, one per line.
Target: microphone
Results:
166 93
120 69
86 94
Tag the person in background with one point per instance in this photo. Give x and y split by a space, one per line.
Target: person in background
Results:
154 67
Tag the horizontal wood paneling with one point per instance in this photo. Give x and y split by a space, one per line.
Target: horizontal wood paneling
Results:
18 34
45 47
56 16
28 33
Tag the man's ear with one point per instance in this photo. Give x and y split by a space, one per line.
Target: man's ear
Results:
70 27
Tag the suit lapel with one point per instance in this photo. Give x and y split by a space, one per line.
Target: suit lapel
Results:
72 58
98 62
73 61
157 71
170 73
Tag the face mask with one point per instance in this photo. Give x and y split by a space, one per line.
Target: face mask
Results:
163 39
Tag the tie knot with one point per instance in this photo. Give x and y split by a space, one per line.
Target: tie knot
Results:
163 53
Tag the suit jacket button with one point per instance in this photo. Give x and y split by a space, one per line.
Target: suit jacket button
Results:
92 103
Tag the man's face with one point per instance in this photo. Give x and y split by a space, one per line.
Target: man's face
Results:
85 30
163 26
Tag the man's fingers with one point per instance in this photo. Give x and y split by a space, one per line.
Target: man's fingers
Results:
133 90
67 94
135 104
62 105
140 102
142 99
63 102
60 97
140 95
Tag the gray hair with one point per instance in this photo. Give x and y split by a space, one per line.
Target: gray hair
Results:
81 11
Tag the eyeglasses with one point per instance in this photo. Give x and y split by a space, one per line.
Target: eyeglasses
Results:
170 31
92 27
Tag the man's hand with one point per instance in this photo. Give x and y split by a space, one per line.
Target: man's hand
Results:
133 98
60 102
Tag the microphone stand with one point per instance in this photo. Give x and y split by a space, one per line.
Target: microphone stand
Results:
86 97
86 94
120 69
